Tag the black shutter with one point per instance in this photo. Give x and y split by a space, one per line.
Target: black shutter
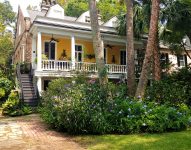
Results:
185 58
167 58
52 51
178 60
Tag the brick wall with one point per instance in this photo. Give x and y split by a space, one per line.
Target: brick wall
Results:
23 41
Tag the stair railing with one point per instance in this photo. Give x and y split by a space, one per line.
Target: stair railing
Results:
18 69
34 82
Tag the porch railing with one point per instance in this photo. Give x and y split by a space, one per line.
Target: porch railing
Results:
80 66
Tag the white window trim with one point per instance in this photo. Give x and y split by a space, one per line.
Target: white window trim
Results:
78 44
183 60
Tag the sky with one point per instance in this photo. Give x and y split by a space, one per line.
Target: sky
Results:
23 3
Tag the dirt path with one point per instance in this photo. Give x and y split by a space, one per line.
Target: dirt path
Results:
29 133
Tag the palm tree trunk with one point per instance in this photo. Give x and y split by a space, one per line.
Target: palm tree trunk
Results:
156 61
97 42
149 50
130 49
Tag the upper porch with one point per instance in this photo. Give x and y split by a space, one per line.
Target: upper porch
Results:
60 51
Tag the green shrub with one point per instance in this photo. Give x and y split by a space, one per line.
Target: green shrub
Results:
13 107
6 84
85 107
175 89
2 93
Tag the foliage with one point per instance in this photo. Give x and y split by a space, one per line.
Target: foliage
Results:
85 107
174 89
7 16
107 8
6 84
76 7
110 8
25 67
141 19
13 106
2 93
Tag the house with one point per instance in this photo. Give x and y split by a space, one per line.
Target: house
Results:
56 44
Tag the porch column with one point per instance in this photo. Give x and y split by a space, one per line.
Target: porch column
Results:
73 51
39 85
33 52
39 51
23 53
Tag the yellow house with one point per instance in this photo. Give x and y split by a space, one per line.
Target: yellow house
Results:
57 45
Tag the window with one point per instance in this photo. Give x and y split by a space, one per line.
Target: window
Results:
182 60
78 53
49 50
123 57
164 60
114 23
87 19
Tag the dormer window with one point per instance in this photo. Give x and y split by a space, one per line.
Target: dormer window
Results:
114 23
58 11
87 19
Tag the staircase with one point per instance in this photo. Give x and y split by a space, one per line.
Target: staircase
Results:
28 91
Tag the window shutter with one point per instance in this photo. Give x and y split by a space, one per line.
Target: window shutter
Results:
167 58
178 60
185 58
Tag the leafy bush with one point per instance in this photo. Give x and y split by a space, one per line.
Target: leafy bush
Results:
6 84
2 93
132 116
13 107
175 89
86 107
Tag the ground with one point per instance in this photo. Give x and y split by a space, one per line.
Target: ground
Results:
29 133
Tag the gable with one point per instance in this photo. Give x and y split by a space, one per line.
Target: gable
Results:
112 22
55 11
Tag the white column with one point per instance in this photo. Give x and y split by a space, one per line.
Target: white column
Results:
33 52
104 56
23 52
39 85
39 51
73 51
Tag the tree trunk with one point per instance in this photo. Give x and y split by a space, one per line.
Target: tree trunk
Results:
149 50
130 49
97 42
156 61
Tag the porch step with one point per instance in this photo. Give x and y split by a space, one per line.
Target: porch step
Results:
28 90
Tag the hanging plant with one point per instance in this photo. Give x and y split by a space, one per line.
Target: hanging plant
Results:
90 56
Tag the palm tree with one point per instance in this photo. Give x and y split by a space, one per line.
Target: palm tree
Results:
130 49
153 30
97 42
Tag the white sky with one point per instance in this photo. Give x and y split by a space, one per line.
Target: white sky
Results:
23 3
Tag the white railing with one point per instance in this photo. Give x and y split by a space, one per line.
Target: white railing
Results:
56 65
80 66
84 66
112 68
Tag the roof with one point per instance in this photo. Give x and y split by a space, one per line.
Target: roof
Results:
34 13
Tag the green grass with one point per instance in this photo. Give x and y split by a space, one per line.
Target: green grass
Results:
165 141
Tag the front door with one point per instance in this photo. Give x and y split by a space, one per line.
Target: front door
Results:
123 57
50 50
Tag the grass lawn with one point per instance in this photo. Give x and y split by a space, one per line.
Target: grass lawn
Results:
165 141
